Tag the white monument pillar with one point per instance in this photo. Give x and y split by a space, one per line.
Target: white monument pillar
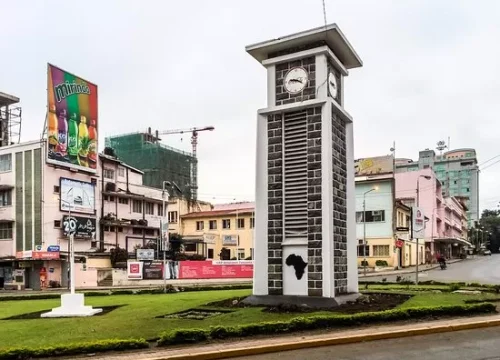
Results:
305 240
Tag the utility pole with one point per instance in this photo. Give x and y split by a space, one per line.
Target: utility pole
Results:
164 238
427 177
364 228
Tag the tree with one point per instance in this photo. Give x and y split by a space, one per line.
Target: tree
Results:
175 246
490 223
118 257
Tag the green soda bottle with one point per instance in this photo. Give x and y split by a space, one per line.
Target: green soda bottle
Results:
73 139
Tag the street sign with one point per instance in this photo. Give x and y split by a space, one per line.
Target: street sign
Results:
53 248
418 223
400 228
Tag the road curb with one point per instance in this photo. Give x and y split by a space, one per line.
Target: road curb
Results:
403 272
337 340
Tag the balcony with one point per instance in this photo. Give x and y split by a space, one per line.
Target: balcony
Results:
6 213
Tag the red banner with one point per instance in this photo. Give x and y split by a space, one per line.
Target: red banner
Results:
215 270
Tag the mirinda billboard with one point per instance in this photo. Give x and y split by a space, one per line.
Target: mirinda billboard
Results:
72 122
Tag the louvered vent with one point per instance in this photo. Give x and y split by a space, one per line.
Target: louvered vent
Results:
295 174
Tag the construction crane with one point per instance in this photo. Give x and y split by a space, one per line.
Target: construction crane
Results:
194 144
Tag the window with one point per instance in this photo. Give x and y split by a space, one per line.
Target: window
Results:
56 189
172 217
149 208
241 254
137 231
137 206
57 223
252 222
362 249
251 253
380 250
212 224
120 229
123 201
5 231
371 216
110 198
226 223
5 162
468 190
121 171
160 210
210 253
5 198
109 228
241 223
149 232
200 225
190 247
108 174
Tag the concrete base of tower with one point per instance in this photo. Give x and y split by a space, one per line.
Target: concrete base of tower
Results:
315 302
72 305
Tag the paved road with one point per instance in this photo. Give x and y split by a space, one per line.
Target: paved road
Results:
483 269
483 344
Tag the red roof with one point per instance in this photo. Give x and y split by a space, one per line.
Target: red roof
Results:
214 213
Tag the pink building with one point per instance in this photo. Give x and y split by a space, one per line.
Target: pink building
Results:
445 230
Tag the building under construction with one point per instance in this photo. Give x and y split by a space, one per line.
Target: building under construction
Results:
10 120
159 162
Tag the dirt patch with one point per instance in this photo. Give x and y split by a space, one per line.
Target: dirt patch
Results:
365 303
37 314
195 314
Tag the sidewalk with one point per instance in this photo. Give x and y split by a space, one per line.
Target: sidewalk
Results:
228 349
408 270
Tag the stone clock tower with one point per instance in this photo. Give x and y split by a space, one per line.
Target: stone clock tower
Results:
305 240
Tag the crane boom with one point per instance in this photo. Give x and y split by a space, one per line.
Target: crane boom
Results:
194 143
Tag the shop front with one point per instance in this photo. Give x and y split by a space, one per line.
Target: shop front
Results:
37 270
450 247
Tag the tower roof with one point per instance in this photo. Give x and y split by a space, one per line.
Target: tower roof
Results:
7 100
330 34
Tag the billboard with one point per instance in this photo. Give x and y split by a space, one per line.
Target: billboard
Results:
374 166
72 123
230 240
80 227
77 196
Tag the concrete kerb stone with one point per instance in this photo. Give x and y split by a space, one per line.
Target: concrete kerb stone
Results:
335 340
404 272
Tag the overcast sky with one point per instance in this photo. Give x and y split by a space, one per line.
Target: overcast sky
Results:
430 71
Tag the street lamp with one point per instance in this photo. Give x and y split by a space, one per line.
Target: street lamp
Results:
364 226
163 229
426 177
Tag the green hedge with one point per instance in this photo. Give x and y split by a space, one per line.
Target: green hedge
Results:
184 336
381 263
73 349
170 289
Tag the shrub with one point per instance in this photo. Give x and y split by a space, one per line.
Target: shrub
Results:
454 287
73 349
183 336
381 263
320 322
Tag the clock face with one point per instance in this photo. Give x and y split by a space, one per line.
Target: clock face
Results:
332 85
296 80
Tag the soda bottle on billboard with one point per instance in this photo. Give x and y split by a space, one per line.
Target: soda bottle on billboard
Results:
92 157
52 134
73 139
62 133
83 141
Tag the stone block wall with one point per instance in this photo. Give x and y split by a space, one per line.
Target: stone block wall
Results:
275 203
314 214
339 204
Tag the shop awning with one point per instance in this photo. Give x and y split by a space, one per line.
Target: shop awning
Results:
453 240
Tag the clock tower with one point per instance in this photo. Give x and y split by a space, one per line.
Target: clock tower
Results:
305 240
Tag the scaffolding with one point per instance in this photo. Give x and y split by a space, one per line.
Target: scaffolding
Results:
10 120
158 161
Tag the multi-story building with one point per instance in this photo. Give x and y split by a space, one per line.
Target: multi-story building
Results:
445 228
382 224
159 162
458 172
227 231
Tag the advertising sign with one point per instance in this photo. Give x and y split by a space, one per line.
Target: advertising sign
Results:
72 120
81 227
38 255
53 248
134 270
230 240
418 223
145 254
374 166
77 196
164 235
152 271
212 270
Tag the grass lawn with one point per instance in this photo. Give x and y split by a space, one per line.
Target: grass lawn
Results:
137 318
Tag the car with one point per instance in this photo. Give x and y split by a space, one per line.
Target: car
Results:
487 252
